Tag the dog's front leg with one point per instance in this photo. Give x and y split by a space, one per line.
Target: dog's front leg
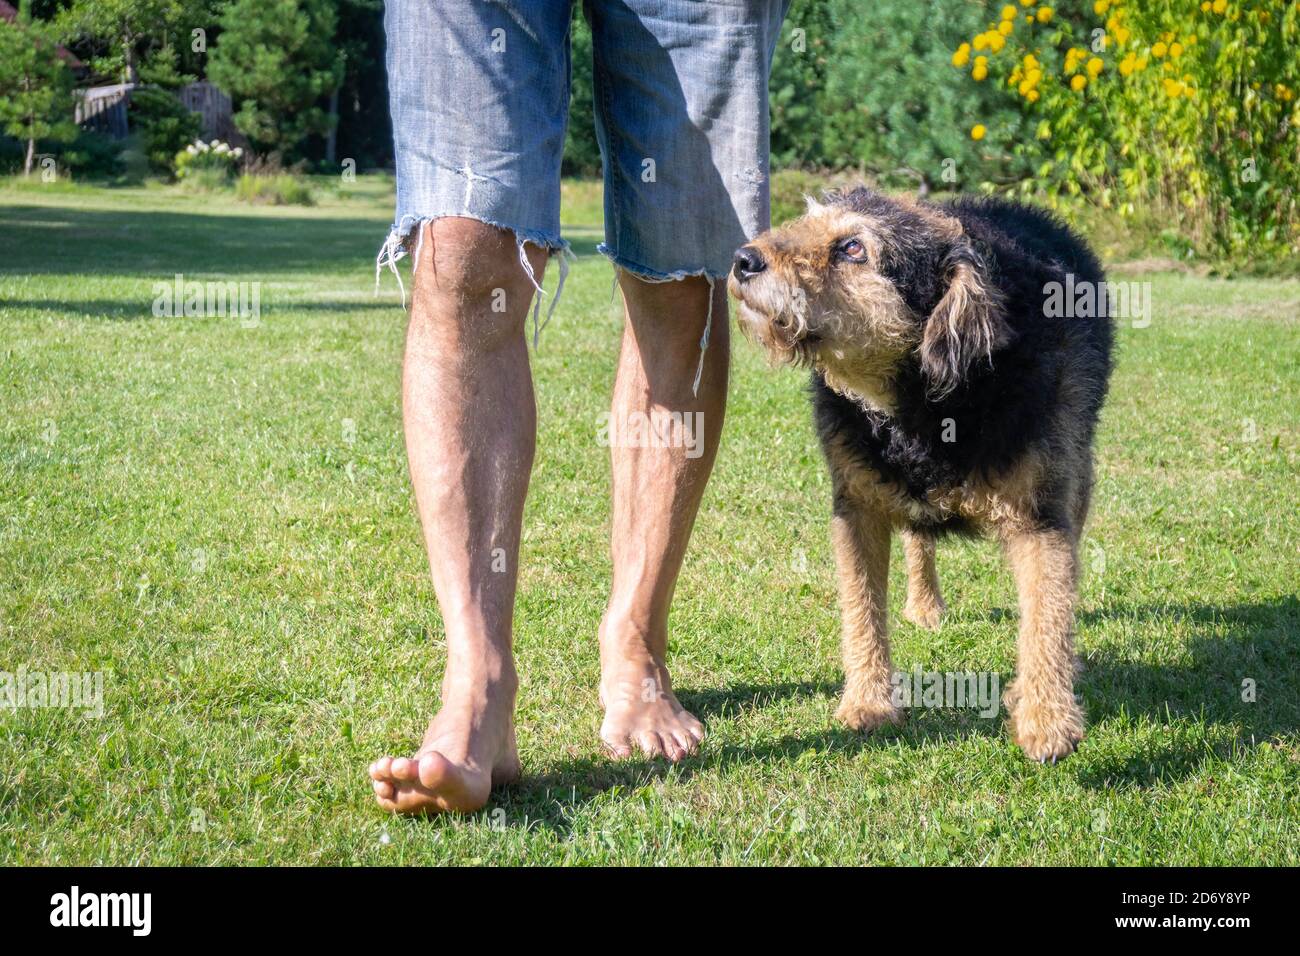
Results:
860 534
1046 720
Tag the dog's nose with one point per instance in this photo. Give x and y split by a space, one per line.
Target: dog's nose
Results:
749 263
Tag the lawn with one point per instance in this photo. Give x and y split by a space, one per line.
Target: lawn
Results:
216 515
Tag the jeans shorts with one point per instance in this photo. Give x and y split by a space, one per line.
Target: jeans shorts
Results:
479 93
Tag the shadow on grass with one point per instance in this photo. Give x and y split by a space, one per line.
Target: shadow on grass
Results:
1229 646
117 310
147 243
1260 643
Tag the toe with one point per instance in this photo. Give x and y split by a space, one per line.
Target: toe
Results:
432 770
686 741
381 769
404 770
650 743
383 789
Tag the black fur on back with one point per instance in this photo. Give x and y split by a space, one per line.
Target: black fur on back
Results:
1004 407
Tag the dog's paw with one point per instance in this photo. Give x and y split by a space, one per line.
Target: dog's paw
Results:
866 716
928 616
1047 733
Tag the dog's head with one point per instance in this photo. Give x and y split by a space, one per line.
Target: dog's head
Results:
861 282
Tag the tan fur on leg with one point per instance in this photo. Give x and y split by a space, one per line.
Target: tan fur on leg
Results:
1046 720
860 535
925 605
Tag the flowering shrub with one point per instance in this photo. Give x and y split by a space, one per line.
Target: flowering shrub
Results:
207 159
1189 105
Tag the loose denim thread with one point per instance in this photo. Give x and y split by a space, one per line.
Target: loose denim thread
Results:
704 339
393 249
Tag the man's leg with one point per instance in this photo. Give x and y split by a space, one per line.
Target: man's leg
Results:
470 420
657 493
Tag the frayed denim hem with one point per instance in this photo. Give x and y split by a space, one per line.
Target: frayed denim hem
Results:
653 275
396 247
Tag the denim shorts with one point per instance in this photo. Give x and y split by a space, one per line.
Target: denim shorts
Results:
479 93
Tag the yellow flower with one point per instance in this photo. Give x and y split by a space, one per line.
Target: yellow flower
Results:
1205 7
1044 14
1100 7
977 131
1159 50
1191 39
1005 27
1032 96
1078 83
1026 3
979 72
981 41
1122 34
1175 49
1219 6
997 42
1172 87
1127 65
962 56
1008 12
1095 66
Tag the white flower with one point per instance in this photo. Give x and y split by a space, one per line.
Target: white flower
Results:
191 150
216 143
237 152
222 148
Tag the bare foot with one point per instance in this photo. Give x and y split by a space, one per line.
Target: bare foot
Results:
641 710
468 749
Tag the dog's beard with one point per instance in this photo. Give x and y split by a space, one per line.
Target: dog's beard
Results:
776 317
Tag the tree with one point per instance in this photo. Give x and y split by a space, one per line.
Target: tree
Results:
122 24
276 58
35 85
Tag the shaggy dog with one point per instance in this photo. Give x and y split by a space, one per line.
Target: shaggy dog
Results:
949 398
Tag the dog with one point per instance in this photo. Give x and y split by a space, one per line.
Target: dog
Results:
948 399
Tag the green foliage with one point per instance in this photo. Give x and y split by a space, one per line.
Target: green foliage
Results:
277 60
35 85
581 149
164 124
278 189
1186 108
123 27
207 164
871 87
93 155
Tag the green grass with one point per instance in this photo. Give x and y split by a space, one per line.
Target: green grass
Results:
184 506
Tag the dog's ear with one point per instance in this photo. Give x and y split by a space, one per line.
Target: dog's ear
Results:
967 322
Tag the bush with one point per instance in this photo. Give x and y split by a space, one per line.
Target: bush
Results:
870 87
210 163
164 126
1187 107
94 155
276 189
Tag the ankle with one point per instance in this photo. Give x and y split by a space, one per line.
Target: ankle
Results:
489 676
624 638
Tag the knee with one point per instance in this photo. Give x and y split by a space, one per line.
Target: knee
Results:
471 273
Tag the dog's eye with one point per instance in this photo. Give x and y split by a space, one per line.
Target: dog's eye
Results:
852 250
